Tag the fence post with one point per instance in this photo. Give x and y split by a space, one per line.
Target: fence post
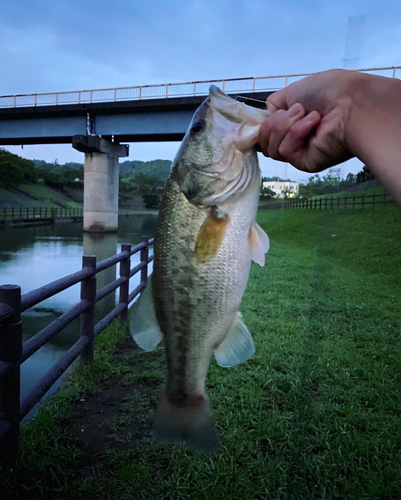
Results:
10 352
373 202
88 292
363 201
144 258
125 268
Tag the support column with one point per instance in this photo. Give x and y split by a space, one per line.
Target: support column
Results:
101 177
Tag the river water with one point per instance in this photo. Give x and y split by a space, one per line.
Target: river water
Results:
34 256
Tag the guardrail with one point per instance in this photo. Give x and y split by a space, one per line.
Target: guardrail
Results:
332 203
14 352
25 214
168 90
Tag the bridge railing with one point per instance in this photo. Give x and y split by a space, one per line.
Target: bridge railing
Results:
169 90
14 352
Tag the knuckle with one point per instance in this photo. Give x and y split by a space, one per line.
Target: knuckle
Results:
274 153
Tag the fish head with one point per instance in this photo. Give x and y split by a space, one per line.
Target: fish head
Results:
217 158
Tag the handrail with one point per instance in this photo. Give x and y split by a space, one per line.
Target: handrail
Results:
167 90
48 332
32 298
37 214
13 352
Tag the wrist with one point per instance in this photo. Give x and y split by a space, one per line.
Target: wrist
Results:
357 108
374 110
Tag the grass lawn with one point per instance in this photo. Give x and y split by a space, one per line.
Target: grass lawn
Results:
379 190
315 414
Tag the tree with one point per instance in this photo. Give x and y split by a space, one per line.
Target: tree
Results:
151 200
15 170
70 176
267 192
288 193
140 184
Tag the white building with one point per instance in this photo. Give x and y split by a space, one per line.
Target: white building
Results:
279 187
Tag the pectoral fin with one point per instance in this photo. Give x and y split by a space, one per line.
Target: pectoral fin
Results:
258 243
237 347
210 236
143 323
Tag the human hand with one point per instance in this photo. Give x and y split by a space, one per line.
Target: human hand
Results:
309 123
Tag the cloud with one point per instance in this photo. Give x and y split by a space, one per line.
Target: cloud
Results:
70 44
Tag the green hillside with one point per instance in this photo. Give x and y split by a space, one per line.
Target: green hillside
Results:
32 183
35 195
155 168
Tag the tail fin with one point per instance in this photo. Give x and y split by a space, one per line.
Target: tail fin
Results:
190 423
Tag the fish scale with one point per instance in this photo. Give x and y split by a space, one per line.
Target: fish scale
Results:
217 285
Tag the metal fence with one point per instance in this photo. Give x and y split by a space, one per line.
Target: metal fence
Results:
25 214
332 203
169 90
14 352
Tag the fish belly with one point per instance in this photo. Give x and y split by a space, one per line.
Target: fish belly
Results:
196 302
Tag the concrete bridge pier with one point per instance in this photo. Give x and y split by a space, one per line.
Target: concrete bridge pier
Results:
101 176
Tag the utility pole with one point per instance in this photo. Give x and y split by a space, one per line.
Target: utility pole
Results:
354 43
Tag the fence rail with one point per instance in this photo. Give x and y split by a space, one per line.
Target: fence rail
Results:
13 351
23 214
334 203
168 90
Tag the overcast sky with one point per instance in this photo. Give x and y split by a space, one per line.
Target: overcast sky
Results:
79 44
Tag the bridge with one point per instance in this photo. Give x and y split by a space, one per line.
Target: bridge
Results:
96 121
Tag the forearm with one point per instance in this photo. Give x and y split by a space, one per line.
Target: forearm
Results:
374 129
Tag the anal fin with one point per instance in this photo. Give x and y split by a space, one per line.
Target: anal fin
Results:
143 323
237 346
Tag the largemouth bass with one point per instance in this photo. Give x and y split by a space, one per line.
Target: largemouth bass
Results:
206 239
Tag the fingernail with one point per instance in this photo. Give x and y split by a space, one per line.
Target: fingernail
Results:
294 110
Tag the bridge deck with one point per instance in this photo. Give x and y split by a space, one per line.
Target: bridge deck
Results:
130 114
128 121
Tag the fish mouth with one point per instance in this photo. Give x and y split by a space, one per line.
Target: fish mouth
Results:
215 90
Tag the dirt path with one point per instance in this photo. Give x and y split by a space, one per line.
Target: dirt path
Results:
122 412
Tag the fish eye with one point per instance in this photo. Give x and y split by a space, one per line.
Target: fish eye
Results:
198 126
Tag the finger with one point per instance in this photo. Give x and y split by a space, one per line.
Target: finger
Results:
296 136
277 100
282 121
264 134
